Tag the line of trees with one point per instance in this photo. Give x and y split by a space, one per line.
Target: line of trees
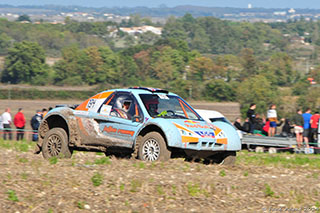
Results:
182 60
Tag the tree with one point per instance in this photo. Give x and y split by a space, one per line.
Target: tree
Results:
70 68
310 99
282 68
167 64
128 70
148 37
203 68
219 90
315 74
25 63
93 66
5 43
109 70
249 64
201 41
174 29
24 18
232 65
257 89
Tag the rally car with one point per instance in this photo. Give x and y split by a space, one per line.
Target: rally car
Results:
145 123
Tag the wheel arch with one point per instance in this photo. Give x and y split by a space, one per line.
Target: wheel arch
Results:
50 122
54 121
152 128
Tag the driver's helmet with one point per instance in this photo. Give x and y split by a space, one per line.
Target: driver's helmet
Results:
123 103
126 105
152 104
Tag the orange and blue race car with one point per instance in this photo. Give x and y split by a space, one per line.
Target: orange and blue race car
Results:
145 123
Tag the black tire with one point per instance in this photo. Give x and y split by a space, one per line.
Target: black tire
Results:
152 147
55 144
225 158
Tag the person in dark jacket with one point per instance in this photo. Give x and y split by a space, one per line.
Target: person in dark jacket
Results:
251 115
238 125
259 123
286 129
35 123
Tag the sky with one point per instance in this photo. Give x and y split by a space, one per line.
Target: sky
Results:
312 4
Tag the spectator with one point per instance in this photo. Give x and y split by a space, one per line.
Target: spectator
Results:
6 122
246 125
35 123
297 122
314 122
272 117
259 122
266 127
44 112
251 115
238 125
306 126
19 121
286 129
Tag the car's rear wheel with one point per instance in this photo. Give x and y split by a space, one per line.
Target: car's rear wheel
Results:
152 147
55 144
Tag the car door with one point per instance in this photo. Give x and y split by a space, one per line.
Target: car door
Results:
123 121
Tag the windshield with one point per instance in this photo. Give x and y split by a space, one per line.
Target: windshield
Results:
220 119
168 106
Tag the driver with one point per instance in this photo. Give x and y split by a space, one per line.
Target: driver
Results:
126 105
152 106
122 111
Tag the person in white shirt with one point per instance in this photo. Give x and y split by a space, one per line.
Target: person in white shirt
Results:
6 122
272 116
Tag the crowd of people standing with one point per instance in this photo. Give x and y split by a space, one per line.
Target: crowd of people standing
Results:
303 125
19 121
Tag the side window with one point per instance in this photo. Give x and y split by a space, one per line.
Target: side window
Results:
122 105
125 106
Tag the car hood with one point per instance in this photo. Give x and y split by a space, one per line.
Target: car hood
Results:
199 129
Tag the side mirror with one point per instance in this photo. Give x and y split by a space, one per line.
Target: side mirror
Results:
136 118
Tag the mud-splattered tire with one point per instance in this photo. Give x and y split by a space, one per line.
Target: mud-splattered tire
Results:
152 147
55 144
225 158
229 158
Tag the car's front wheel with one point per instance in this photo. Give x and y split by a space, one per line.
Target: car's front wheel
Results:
152 147
55 144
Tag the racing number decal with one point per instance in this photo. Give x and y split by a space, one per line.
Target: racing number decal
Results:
91 103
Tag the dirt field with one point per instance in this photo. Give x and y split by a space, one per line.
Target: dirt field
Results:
90 182
230 110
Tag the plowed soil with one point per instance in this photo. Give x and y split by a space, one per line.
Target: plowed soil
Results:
90 182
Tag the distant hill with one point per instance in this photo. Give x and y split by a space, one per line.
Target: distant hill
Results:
163 11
